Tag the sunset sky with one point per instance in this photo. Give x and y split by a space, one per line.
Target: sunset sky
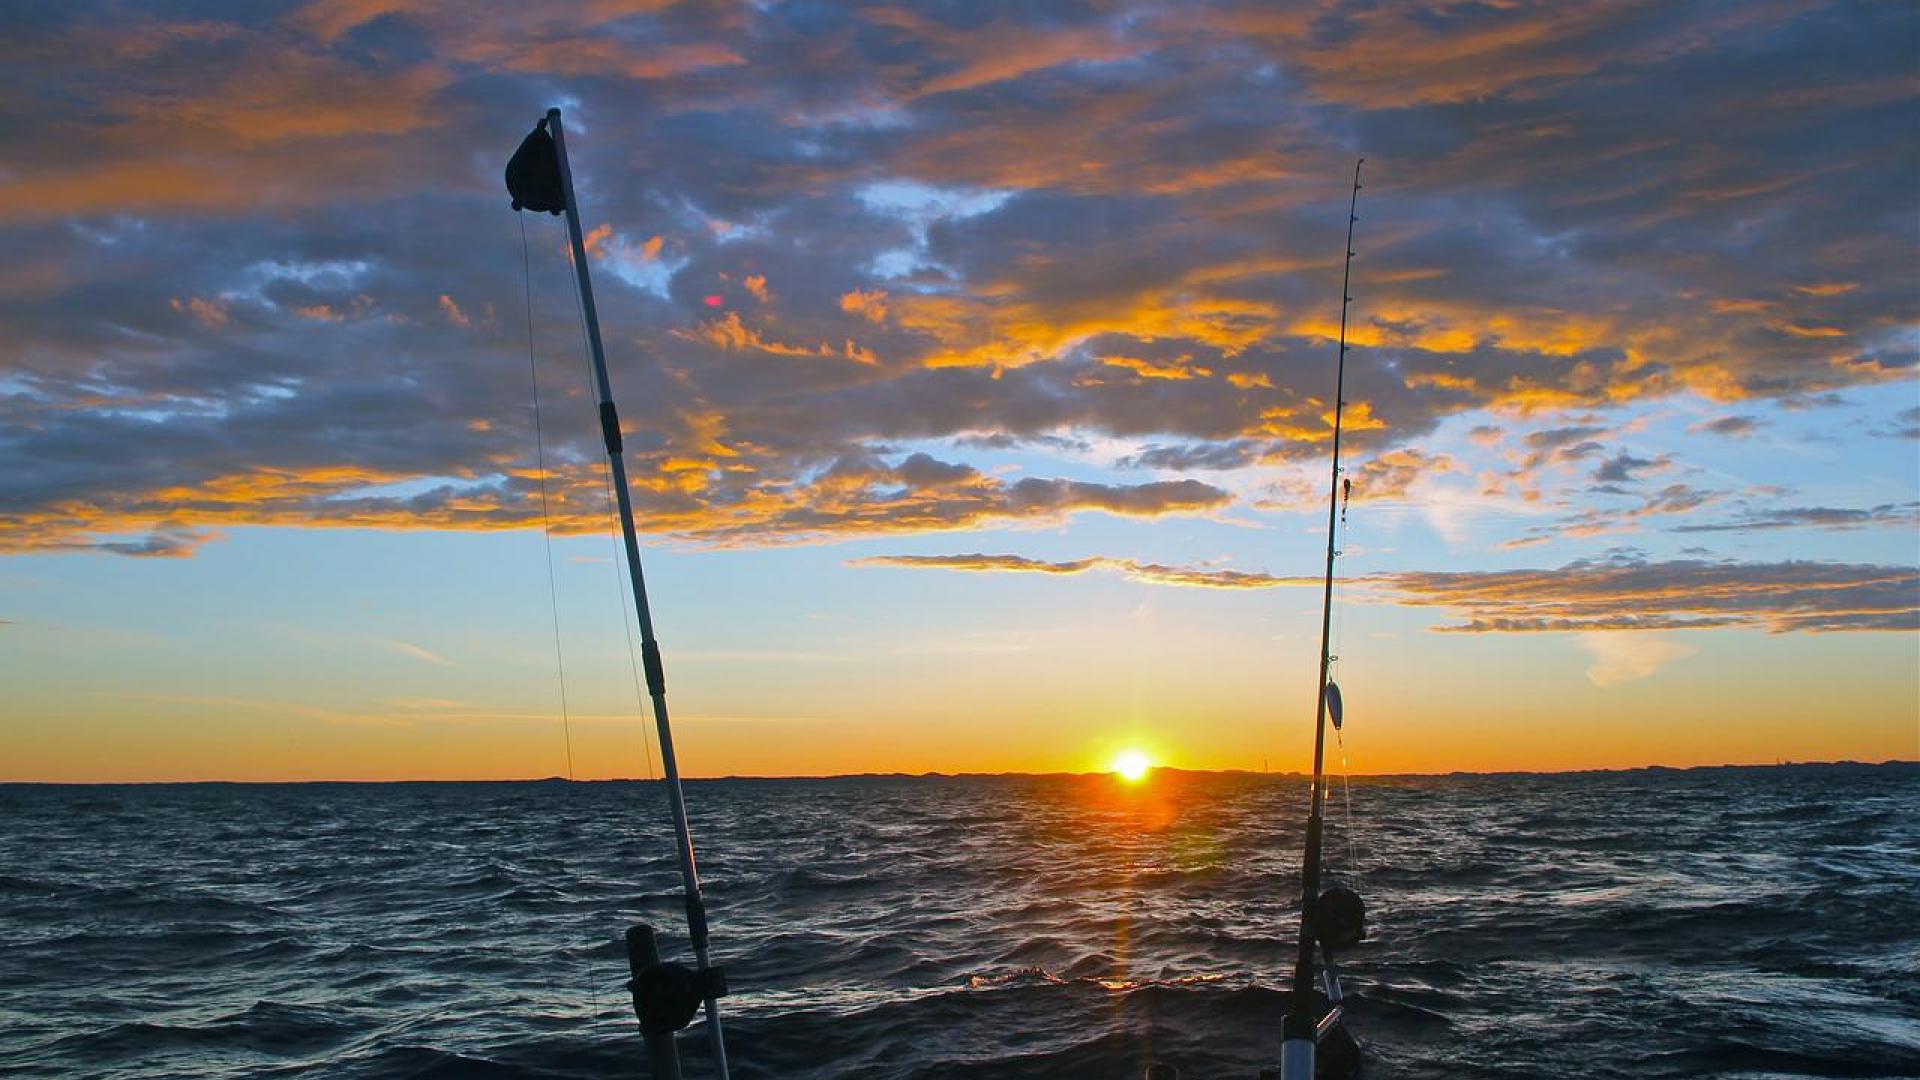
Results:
976 363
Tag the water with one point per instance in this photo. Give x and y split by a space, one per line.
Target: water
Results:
1733 923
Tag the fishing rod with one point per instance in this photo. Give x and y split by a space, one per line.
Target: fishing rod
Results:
665 996
1333 919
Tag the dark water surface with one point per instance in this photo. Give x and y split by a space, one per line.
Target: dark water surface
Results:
1731 923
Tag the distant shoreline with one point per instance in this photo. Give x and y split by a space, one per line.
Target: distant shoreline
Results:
1891 763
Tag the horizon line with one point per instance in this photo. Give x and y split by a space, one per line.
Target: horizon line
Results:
936 775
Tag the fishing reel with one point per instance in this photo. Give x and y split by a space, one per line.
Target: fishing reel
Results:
1339 918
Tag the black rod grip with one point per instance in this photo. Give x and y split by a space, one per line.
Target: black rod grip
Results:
610 427
697 921
656 673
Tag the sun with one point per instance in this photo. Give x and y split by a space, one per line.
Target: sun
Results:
1132 766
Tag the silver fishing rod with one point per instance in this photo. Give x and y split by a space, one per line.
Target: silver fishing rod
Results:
1301 1029
665 995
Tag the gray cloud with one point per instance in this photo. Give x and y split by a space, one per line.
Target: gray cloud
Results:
1906 425
1621 592
1731 426
1561 437
1624 468
1820 517
1133 570
1633 594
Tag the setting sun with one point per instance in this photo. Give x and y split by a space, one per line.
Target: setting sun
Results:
1132 766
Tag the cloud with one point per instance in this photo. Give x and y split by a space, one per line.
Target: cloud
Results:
453 313
1820 517
1179 368
977 562
1391 475
1561 437
869 304
977 56
1132 570
1078 222
416 652
1619 658
862 494
209 313
1161 496
1599 599
1675 498
207 116
1797 330
1730 426
1906 425
1624 468
1630 594
165 542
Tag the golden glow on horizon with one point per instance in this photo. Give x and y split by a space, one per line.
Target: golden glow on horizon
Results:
1132 766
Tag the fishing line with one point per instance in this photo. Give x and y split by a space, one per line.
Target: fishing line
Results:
1339 639
626 622
1346 797
553 592
546 518
627 617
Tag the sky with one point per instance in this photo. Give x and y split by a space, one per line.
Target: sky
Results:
975 361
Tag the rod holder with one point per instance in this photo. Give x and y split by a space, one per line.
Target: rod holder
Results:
643 956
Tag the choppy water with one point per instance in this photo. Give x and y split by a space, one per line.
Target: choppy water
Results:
1749 922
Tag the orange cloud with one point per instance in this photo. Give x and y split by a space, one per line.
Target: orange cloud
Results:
1801 331
283 124
870 305
598 240
1004 331
1133 570
334 313
605 56
1389 475
453 313
984 55
208 313
1181 367
731 333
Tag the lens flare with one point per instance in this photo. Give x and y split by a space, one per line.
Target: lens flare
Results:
1132 766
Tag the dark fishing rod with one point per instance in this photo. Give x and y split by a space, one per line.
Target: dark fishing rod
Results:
1303 1027
665 996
